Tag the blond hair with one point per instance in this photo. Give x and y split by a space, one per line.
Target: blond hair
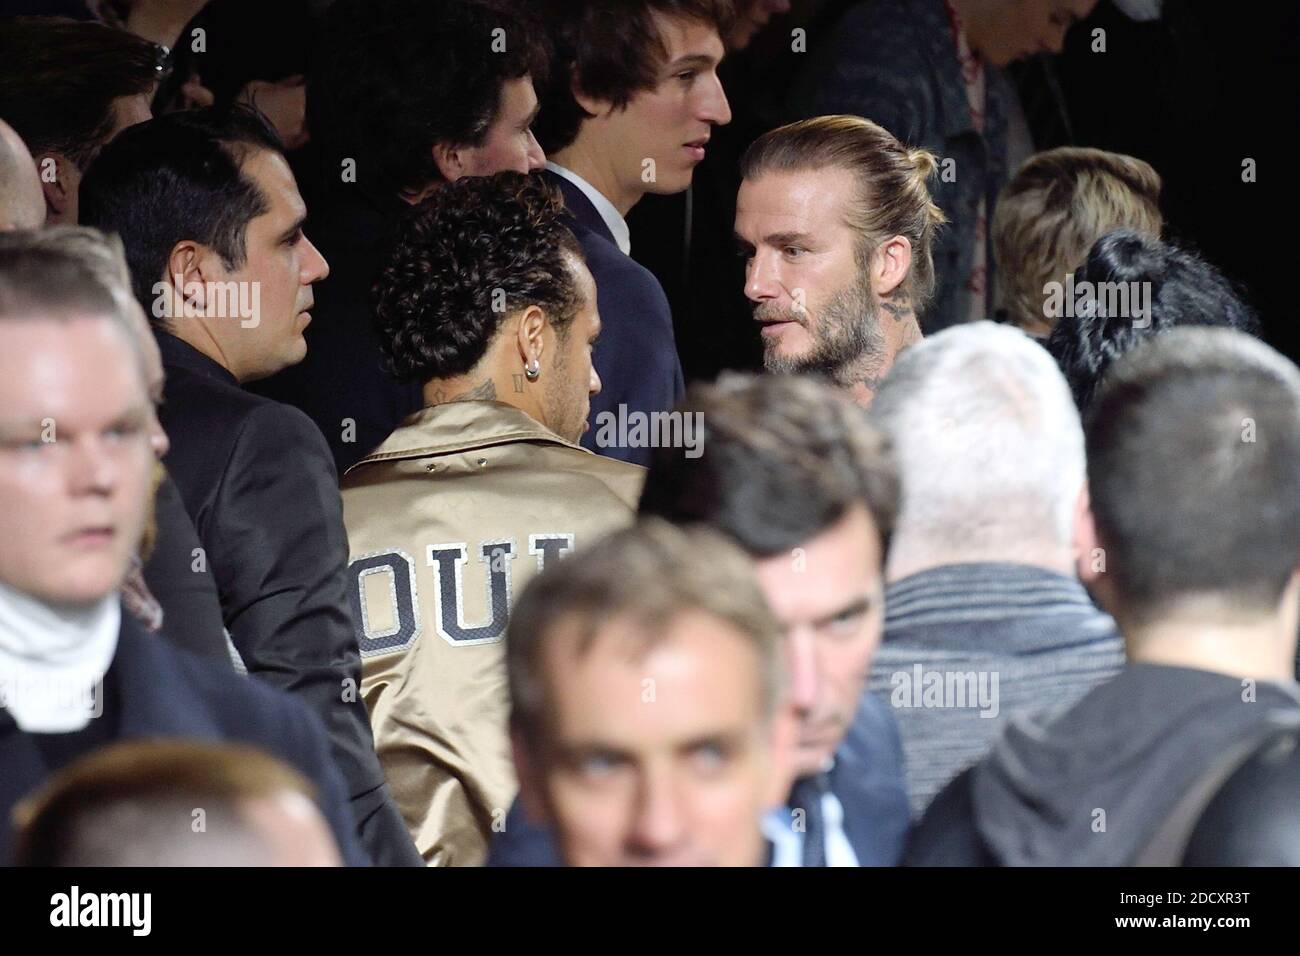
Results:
1058 204
893 198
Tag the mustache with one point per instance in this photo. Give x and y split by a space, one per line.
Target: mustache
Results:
767 312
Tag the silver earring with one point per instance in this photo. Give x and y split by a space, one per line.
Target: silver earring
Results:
533 370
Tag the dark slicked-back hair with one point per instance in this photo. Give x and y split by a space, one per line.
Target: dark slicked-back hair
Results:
783 458
59 78
174 178
1193 449
396 77
1184 291
477 250
612 50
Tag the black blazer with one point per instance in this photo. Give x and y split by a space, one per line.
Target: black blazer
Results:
257 480
163 692
182 582
636 354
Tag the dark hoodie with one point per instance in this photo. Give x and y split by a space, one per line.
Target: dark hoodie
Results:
1090 786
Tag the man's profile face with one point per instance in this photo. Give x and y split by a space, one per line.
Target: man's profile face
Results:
662 134
510 144
656 754
811 296
829 597
273 284
75 457
572 380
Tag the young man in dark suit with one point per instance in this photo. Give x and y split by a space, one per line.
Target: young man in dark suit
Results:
622 117
77 671
211 219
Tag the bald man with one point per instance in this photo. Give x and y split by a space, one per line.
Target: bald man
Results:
22 201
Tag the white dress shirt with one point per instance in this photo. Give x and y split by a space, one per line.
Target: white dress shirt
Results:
787 842
616 224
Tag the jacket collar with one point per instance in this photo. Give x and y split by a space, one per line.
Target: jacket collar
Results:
179 354
582 209
454 427
612 220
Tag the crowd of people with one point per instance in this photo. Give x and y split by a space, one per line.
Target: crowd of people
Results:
358 507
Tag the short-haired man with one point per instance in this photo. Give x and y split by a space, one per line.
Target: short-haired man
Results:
792 471
22 201
645 687
486 303
836 223
165 585
984 613
1193 450
629 108
1056 206
68 88
212 222
133 804
1133 287
76 671
407 96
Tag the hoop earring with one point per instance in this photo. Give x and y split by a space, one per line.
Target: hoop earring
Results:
533 370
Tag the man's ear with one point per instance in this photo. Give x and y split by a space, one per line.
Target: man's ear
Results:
449 161
1089 555
890 264
185 275
60 180
527 770
531 336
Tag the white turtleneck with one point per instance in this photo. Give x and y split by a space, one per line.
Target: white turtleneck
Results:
52 658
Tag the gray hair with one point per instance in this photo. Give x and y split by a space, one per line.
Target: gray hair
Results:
988 442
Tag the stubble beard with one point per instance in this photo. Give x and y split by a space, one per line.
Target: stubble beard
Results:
848 341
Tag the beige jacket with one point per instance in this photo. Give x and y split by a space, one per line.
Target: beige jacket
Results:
447 521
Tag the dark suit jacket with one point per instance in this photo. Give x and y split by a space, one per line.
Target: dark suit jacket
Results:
867 779
895 62
164 692
257 479
184 586
636 354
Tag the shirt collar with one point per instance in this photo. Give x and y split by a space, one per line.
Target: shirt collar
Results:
178 352
616 224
